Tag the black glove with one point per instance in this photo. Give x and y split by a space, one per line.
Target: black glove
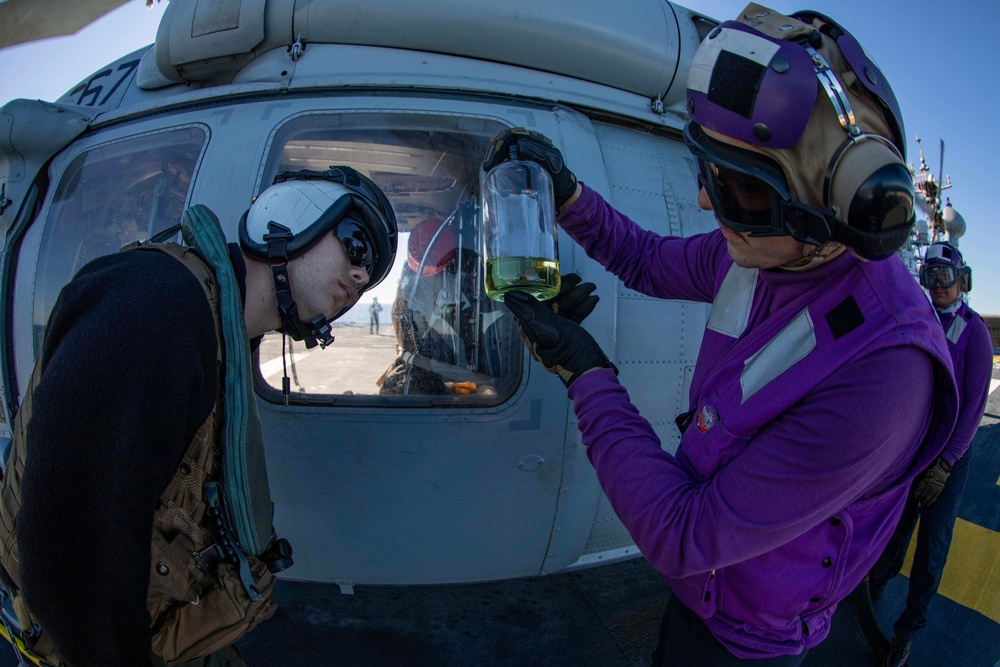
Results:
575 300
931 483
562 346
538 148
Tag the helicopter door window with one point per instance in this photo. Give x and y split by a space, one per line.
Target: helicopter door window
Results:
427 335
109 196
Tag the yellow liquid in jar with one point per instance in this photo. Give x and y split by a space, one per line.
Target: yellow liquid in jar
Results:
537 276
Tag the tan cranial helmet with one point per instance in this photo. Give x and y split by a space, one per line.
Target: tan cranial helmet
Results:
796 104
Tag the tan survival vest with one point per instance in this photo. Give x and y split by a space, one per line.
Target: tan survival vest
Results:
197 601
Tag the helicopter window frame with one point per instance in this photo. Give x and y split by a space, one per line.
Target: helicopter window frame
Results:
81 220
428 163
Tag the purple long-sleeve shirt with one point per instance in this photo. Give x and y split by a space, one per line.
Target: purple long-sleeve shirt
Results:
972 358
777 502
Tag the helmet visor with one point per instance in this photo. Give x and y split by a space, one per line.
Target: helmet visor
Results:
939 275
749 192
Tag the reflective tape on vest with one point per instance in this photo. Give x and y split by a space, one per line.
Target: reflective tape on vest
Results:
956 329
789 347
731 308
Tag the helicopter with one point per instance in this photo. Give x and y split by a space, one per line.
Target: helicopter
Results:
487 479
378 477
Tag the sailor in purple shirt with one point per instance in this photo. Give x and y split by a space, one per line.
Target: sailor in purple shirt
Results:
823 386
937 493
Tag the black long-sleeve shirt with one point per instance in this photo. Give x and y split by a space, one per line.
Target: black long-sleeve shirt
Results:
130 374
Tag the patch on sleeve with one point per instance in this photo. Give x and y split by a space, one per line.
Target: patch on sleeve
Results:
845 318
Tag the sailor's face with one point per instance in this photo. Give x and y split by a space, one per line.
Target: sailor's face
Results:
942 297
756 252
324 282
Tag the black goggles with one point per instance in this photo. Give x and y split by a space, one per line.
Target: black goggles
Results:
749 192
360 250
939 275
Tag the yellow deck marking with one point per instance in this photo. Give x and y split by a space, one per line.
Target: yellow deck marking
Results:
972 574
20 645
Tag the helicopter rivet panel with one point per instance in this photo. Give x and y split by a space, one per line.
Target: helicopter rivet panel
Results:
387 69
531 462
631 45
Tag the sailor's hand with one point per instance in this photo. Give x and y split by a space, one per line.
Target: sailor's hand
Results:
562 346
575 300
538 148
931 483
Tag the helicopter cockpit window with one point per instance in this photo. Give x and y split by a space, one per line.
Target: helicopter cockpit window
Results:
428 334
109 196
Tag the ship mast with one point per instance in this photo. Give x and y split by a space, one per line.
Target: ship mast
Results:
943 222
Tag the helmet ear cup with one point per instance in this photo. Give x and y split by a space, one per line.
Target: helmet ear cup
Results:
965 281
870 189
883 200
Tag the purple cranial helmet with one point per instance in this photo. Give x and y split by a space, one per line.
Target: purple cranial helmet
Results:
944 266
792 109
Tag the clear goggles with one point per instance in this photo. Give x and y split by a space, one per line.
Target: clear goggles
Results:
360 250
749 192
939 275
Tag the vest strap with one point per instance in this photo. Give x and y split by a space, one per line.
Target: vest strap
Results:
201 230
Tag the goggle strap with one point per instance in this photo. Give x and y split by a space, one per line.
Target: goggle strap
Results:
871 245
805 224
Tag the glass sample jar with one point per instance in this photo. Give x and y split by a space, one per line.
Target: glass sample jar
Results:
521 249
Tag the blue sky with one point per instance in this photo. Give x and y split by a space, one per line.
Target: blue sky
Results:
937 56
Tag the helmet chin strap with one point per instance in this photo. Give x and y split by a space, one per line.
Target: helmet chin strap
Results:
816 256
315 332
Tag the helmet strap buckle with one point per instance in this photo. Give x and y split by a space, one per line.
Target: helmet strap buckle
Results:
838 98
321 330
277 239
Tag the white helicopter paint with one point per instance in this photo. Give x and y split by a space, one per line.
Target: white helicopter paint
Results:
372 488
